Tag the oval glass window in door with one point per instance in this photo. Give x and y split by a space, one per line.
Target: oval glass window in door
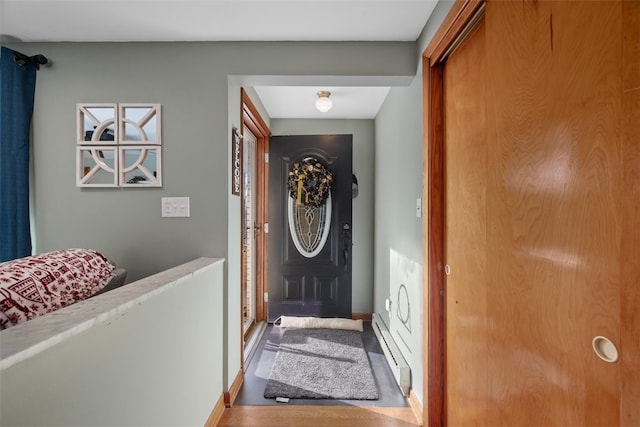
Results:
309 226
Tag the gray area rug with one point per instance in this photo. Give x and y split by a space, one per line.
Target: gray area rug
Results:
321 364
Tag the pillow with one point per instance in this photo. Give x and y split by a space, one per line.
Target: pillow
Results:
319 323
39 284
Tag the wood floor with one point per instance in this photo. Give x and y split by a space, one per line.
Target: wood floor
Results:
317 416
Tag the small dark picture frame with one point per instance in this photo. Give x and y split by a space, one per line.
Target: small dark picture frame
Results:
236 162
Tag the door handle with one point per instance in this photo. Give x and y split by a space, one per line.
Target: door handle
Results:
346 238
605 349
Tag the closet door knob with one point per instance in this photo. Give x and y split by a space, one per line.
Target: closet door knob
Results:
605 349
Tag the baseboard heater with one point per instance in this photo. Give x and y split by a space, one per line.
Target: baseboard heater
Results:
399 367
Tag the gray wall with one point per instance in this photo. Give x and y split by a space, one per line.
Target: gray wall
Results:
191 82
398 183
398 232
363 215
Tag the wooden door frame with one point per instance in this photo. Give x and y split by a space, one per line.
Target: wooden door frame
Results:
458 22
251 119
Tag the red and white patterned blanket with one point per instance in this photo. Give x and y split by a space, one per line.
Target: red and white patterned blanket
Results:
39 284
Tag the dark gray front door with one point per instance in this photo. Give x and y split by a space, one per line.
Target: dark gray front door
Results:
309 275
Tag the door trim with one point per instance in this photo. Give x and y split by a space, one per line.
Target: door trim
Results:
461 18
252 120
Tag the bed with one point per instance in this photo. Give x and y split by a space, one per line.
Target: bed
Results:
40 284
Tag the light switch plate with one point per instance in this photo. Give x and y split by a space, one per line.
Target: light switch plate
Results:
175 207
418 207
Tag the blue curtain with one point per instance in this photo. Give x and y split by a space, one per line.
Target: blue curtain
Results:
17 90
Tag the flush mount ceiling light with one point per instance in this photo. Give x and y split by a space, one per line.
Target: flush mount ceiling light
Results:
323 103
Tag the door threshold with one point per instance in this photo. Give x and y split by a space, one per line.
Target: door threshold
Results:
252 340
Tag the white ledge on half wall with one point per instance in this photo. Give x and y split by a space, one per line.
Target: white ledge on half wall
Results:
27 339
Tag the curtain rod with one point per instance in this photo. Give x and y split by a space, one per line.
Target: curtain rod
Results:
22 59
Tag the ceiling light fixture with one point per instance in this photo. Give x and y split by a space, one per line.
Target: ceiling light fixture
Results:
323 103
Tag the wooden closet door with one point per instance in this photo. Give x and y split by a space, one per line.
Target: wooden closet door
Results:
555 225
465 230
630 261
541 179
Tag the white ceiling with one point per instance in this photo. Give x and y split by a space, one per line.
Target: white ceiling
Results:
298 101
230 20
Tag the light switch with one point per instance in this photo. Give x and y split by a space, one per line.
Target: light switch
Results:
175 207
418 207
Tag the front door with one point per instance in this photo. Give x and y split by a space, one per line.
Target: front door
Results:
310 226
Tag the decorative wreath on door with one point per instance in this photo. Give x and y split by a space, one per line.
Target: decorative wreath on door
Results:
310 182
